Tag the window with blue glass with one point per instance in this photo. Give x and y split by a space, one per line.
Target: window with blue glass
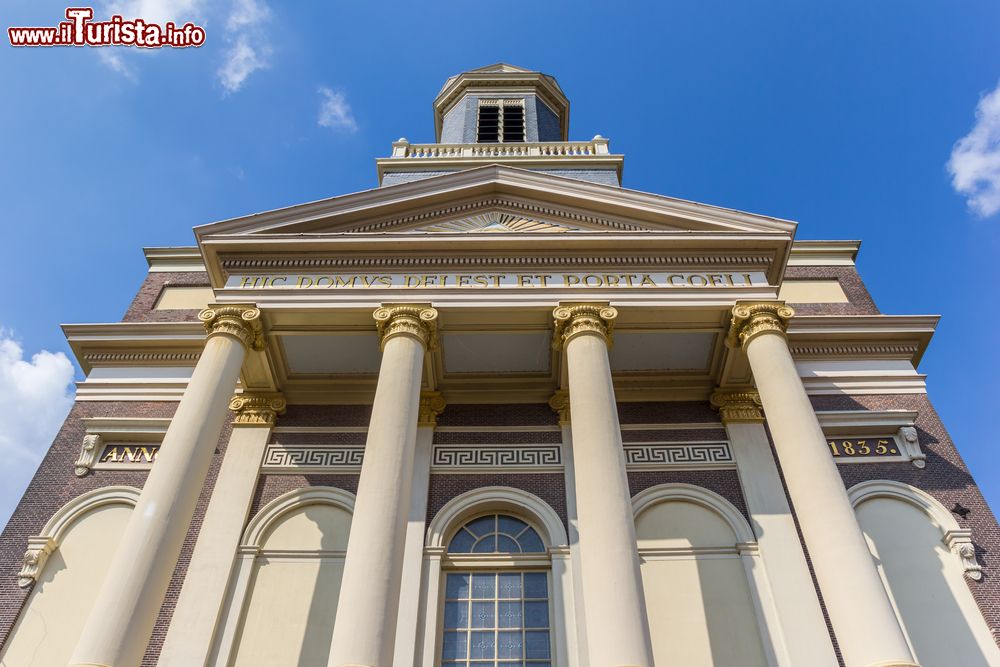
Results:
491 618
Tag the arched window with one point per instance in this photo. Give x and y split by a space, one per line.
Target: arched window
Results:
496 598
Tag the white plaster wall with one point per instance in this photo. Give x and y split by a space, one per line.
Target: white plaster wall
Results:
52 619
927 585
698 600
292 603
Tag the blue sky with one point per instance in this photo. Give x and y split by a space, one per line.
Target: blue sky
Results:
842 116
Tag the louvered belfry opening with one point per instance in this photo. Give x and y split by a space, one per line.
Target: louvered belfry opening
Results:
500 121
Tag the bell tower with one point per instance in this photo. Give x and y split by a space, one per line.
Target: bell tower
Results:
502 114
501 104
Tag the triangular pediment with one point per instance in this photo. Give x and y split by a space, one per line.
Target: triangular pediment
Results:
497 199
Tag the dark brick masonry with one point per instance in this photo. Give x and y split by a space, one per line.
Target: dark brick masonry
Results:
945 477
141 309
53 485
859 300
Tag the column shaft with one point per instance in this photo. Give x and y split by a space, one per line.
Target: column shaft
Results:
802 632
410 599
863 619
196 616
617 628
128 602
364 633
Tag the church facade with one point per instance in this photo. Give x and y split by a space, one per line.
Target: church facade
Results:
502 411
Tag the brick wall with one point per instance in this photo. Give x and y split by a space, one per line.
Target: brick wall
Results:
860 302
55 484
945 477
141 309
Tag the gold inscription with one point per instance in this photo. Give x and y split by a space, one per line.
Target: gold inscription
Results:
858 447
130 454
405 281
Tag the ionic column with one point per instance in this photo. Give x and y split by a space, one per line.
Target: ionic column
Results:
796 627
615 609
859 608
199 607
128 602
364 632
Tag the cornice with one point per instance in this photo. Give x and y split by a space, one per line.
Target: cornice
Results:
824 253
147 357
174 259
487 181
859 349
264 263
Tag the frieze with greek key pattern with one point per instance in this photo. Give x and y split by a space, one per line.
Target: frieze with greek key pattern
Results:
648 455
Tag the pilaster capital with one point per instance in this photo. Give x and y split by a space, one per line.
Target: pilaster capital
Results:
432 404
752 319
738 407
257 409
580 318
416 320
241 321
559 402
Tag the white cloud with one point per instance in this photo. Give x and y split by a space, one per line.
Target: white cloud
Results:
247 48
156 11
334 111
975 160
35 396
112 57
118 59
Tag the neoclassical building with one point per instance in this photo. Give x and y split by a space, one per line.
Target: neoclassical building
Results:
501 410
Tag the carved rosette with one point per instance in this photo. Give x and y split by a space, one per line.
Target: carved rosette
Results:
583 318
432 404
257 409
738 407
242 322
752 319
88 454
559 402
419 322
960 544
39 550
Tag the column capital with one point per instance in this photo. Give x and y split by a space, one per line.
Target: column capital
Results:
241 321
738 407
559 402
752 319
432 404
579 318
416 320
257 409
